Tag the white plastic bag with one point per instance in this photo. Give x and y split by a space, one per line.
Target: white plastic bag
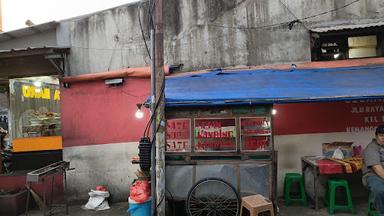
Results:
97 200
338 154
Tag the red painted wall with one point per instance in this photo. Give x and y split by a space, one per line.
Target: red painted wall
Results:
327 117
95 113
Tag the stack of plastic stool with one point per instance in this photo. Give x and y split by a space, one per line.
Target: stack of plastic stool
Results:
257 205
289 179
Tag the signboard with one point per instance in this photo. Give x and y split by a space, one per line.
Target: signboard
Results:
255 126
30 91
326 117
255 143
178 135
255 133
215 134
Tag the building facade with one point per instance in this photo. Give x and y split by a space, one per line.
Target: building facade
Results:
99 132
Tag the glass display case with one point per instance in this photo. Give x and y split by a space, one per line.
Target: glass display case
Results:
35 107
232 143
245 132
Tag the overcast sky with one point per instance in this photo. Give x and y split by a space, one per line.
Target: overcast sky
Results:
16 12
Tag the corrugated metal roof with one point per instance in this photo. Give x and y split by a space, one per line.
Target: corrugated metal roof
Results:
35 29
31 61
33 50
345 25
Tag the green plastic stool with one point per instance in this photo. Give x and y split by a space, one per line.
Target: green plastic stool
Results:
331 194
371 210
289 179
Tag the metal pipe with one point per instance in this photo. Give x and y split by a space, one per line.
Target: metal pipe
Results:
153 125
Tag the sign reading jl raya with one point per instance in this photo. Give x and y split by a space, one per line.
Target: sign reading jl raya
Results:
43 93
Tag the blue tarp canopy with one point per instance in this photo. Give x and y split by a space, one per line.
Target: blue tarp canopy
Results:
275 86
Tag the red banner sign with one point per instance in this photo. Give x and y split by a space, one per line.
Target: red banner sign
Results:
326 117
178 135
256 126
257 143
215 135
255 133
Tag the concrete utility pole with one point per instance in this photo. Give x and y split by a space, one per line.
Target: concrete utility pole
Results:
153 125
160 115
158 58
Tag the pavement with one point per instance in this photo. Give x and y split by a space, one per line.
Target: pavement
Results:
120 209
116 209
361 206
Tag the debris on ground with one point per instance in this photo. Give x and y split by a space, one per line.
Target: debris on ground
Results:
97 199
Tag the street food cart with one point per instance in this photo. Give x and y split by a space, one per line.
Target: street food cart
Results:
231 145
219 123
219 142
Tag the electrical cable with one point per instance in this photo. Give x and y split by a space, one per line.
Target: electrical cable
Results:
153 114
172 198
297 20
221 26
146 131
283 23
142 31
112 54
248 28
162 200
330 11
153 141
101 49
132 95
150 14
154 111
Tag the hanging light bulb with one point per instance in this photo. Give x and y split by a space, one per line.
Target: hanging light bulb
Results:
37 83
274 111
139 114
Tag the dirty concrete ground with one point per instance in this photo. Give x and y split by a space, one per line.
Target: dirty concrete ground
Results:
361 206
116 209
120 209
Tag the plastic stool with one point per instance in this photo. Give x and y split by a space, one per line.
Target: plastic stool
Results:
288 180
371 210
331 194
257 205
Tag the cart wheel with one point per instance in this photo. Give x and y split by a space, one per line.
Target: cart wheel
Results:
214 197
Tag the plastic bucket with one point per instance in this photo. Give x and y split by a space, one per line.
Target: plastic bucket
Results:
139 209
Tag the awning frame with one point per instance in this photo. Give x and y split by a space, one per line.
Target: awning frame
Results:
30 62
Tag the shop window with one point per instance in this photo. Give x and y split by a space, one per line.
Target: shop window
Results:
339 45
35 105
35 114
255 133
178 135
361 47
212 135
